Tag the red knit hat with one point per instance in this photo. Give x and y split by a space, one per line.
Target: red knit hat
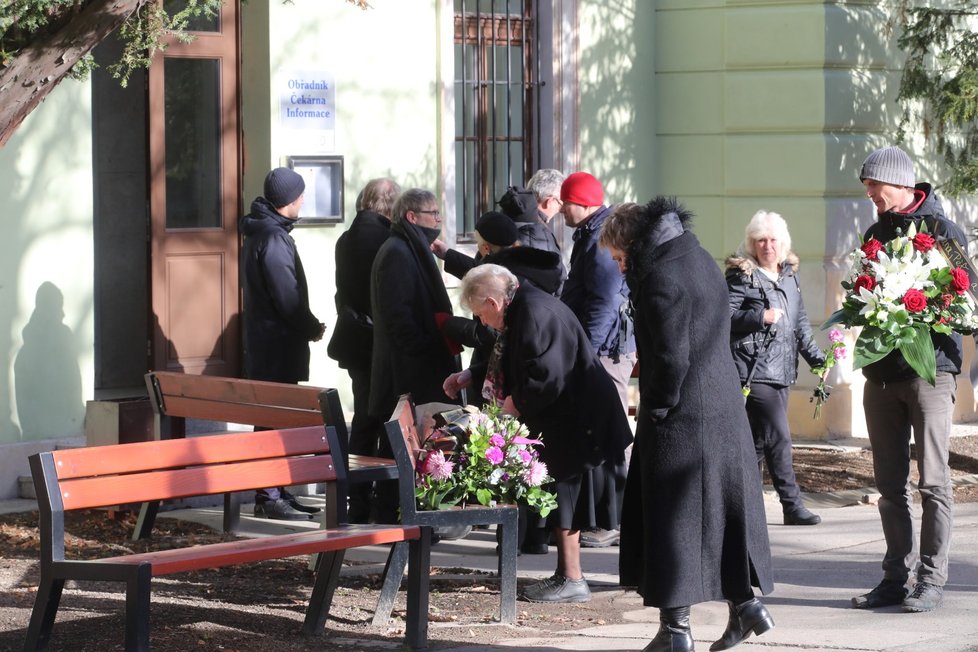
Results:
582 188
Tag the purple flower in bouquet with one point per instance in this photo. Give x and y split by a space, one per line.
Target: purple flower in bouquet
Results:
495 455
836 351
497 440
525 456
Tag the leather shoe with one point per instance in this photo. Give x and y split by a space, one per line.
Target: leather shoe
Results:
674 634
279 510
600 538
746 618
886 594
801 516
296 505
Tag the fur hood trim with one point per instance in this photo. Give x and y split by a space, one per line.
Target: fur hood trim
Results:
747 265
667 219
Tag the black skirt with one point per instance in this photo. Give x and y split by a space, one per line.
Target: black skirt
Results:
591 500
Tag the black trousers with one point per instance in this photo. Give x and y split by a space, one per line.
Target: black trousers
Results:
365 433
767 411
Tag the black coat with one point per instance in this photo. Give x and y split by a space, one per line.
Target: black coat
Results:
278 324
774 348
559 386
693 523
410 354
947 348
355 253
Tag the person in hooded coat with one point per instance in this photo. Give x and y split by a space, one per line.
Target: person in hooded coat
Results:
693 523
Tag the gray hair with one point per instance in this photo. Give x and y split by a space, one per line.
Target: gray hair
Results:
379 196
545 183
765 223
413 199
488 280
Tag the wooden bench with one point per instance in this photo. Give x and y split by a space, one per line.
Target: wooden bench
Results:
176 397
405 442
159 470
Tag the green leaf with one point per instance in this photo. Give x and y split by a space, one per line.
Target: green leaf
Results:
871 346
919 354
837 317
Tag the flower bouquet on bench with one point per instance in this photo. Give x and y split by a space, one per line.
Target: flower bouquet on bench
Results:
483 457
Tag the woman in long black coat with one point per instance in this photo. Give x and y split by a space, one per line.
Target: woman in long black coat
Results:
549 377
693 523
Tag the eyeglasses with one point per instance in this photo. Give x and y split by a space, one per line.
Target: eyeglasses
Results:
434 212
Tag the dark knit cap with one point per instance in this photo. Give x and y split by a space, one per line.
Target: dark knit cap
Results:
283 186
497 229
582 188
520 204
890 165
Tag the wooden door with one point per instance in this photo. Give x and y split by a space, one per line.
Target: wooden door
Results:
195 199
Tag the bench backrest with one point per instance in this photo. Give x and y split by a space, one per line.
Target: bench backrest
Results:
402 433
235 400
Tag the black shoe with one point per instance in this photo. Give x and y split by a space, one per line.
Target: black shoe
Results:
451 532
924 597
558 588
801 516
886 594
674 634
746 618
279 510
296 505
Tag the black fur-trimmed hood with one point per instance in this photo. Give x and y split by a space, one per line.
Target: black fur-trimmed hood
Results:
747 265
668 219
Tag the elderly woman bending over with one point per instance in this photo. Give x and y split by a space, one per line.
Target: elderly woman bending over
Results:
544 371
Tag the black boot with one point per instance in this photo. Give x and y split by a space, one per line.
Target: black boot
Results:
745 618
674 634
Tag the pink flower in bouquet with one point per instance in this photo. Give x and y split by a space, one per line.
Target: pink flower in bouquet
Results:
835 335
495 455
497 440
526 457
914 300
923 242
523 441
535 474
960 280
437 466
839 354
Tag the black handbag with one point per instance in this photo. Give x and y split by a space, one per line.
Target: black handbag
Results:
353 338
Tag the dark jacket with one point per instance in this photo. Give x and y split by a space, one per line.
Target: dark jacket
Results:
356 249
775 347
947 348
410 353
595 290
278 324
693 523
559 386
542 269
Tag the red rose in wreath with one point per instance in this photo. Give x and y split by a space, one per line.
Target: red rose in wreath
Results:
923 242
872 248
914 300
864 281
960 280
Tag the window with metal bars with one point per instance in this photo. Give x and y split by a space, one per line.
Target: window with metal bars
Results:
503 100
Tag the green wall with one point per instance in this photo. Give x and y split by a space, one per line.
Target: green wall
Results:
46 324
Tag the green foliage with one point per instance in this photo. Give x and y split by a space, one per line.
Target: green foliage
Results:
939 86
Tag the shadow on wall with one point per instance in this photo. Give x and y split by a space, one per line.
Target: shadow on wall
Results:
47 366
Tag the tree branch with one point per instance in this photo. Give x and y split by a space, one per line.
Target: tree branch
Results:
39 67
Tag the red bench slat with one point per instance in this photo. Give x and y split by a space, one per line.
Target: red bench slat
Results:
229 553
173 453
259 415
236 390
194 481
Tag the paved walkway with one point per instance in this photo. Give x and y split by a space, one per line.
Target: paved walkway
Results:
818 569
